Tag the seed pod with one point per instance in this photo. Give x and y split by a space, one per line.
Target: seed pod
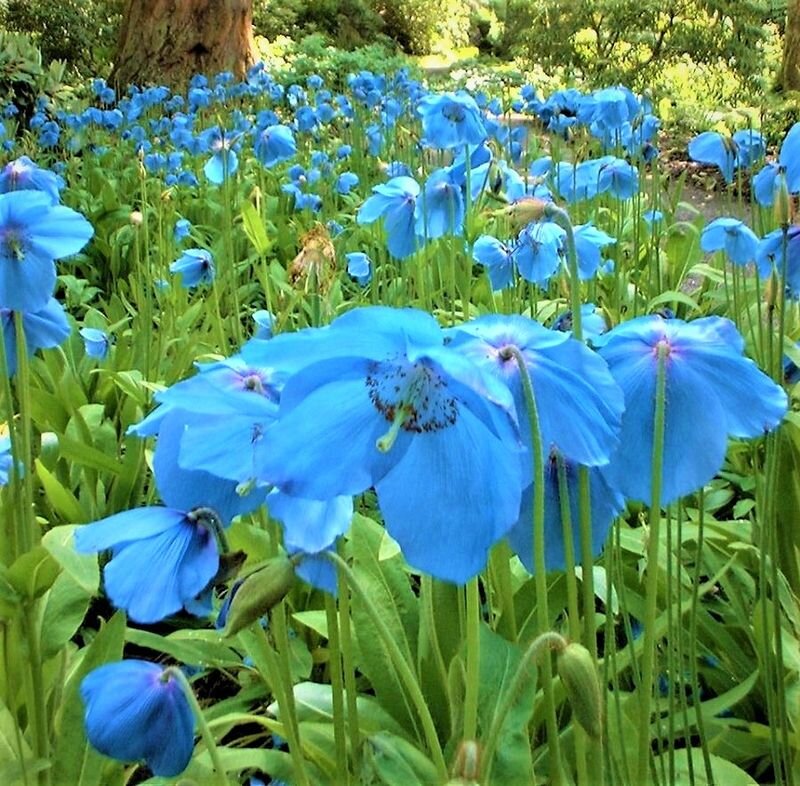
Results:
578 672
782 207
258 593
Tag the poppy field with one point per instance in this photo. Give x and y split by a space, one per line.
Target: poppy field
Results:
370 433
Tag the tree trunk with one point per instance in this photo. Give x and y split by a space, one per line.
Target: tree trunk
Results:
791 47
167 41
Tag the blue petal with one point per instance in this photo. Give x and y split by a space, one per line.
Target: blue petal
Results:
310 525
453 495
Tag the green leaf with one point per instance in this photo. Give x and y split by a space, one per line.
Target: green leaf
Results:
33 572
87 456
82 568
396 762
386 584
13 746
62 499
254 228
203 648
65 607
76 762
673 297
498 664
722 771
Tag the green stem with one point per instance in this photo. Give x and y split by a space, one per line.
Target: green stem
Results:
337 689
399 663
546 642
540 577
37 704
651 588
348 665
205 731
473 660
29 529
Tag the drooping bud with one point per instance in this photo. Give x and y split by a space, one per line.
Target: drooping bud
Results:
578 672
258 593
782 207
525 210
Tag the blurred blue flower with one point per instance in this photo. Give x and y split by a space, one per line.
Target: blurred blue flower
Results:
138 711
346 181
359 266
712 391
182 229
34 233
274 144
497 257
196 267
23 174
396 202
265 324
48 327
96 342
538 251
440 211
731 235
770 256
589 242
451 120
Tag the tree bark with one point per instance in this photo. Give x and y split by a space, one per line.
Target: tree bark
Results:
791 47
168 41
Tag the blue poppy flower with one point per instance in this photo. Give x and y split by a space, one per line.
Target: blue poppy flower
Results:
359 266
274 144
34 233
764 184
578 403
424 426
162 559
605 505
593 322
451 120
497 258
396 201
789 158
750 146
770 256
265 324
738 241
196 267
575 182
138 711
440 211
712 391
48 327
6 456
224 162
23 174
182 229
711 147
589 242
346 181
537 253
96 342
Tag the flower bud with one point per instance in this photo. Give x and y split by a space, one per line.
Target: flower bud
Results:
525 210
258 593
578 672
782 207
467 765
136 218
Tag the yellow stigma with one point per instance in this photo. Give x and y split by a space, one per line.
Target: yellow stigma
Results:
384 443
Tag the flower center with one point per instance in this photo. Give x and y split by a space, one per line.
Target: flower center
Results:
411 397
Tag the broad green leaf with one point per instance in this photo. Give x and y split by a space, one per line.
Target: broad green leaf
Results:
673 297
34 572
394 761
87 456
13 748
314 702
82 568
202 648
722 771
386 584
499 661
254 228
62 499
65 606
76 763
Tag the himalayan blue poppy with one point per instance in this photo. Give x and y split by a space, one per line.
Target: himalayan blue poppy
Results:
712 392
732 236
138 711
